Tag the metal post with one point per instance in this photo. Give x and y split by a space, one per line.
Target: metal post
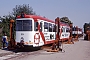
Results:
77 33
58 31
70 39
12 41
57 21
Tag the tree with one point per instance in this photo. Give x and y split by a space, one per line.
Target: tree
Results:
65 20
25 8
16 11
5 25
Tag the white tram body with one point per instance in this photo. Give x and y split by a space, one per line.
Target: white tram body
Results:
37 31
77 31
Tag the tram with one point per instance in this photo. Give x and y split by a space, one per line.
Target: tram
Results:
35 31
77 31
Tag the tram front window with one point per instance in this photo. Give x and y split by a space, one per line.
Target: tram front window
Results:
24 25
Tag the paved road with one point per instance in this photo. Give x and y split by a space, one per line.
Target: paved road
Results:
78 51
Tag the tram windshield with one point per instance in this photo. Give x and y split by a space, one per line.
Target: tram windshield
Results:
24 25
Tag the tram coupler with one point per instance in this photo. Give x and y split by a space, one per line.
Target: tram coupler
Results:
20 45
12 45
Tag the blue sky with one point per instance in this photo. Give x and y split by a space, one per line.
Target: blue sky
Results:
78 11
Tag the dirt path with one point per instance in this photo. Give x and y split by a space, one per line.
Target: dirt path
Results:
78 51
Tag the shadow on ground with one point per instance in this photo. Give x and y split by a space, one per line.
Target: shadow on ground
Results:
25 49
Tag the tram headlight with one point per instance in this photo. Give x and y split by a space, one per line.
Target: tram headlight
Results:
30 42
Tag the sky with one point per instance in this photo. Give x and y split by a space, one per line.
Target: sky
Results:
78 11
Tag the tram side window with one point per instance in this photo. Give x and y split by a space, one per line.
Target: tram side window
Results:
35 26
67 29
40 26
53 28
46 27
50 27
63 29
74 29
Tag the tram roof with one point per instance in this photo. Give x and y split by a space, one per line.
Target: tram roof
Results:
41 18
36 17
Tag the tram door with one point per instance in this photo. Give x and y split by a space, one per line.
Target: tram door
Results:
46 31
38 28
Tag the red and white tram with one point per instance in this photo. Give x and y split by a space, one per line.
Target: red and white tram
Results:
32 30
77 31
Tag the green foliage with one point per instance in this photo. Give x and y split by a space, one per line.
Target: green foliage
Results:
5 24
65 20
25 8
16 11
